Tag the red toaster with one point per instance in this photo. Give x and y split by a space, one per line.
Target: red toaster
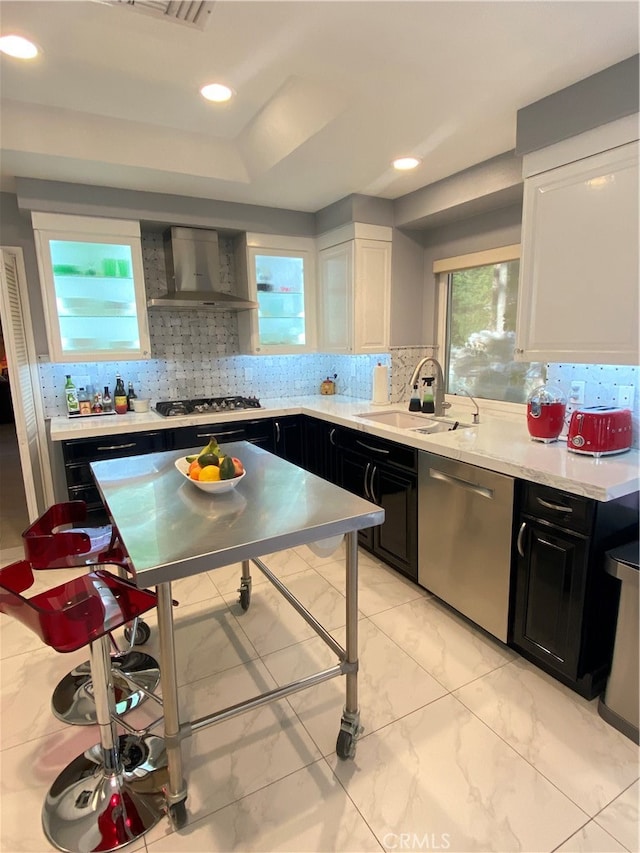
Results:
598 430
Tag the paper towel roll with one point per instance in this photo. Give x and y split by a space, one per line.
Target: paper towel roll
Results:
380 384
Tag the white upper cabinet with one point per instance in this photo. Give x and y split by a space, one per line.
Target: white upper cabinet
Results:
578 298
92 283
279 274
354 272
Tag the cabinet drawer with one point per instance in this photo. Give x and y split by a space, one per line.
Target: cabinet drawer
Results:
376 448
259 431
112 446
79 475
87 493
573 512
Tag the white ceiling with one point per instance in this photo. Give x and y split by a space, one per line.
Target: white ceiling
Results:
327 92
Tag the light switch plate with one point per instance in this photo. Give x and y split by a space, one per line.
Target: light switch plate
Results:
576 394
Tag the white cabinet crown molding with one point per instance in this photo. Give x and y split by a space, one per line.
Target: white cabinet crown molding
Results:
84 224
602 138
353 230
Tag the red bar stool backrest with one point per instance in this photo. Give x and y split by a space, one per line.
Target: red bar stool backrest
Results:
75 613
48 547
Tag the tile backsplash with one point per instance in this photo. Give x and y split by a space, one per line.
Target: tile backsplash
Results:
197 354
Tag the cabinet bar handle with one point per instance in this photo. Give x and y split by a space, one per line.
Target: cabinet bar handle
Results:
557 507
375 449
277 432
521 537
367 493
371 492
463 484
221 434
332 435
117 446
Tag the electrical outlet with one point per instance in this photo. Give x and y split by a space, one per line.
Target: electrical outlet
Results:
576 395
625 396
248 374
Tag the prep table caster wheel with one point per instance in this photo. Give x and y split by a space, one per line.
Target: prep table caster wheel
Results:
245 594
245 597
345 745
178 814
142 634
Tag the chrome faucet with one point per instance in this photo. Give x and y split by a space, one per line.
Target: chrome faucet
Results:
438 400
476 414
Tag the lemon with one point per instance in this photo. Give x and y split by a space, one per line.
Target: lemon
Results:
209 474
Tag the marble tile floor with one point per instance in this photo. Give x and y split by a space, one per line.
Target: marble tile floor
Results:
466 746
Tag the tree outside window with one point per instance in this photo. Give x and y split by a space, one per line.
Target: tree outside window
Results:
482 310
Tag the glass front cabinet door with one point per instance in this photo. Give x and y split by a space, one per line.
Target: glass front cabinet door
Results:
92 288
280 277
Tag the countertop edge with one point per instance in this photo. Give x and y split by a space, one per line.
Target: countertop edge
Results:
498 443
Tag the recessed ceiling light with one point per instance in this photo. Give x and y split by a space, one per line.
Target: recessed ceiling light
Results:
216 92
18 46
403 164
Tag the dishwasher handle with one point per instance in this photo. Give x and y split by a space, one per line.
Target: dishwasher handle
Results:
463 484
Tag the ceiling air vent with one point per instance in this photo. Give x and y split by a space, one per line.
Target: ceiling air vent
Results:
194 13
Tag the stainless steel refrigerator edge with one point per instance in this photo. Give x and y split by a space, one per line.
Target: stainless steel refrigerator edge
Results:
464 539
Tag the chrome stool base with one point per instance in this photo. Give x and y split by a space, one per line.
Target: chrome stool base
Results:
89 809
73 702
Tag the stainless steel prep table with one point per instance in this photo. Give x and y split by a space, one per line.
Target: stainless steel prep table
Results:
171 530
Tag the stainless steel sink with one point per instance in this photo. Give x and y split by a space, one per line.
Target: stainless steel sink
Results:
410 421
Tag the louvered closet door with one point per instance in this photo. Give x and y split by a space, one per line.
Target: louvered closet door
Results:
20 376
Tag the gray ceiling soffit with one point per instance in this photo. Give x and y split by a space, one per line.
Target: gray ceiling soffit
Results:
602 98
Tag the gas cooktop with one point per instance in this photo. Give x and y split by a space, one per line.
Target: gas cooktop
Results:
204 405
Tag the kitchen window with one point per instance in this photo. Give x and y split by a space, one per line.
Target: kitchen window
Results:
478 299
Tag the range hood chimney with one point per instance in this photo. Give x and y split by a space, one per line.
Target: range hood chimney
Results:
193 273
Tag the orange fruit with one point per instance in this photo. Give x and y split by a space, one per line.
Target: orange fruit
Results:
209 474
192 465
194 471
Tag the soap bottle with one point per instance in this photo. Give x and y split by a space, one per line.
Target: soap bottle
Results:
414 402
428 406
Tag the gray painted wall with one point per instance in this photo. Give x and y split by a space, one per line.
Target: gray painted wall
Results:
407 290
604 97
82 200
16 230
488 231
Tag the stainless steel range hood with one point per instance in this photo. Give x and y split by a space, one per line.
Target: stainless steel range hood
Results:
193 273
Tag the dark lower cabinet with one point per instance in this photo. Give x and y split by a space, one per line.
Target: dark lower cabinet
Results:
77 453
385 473
288 441
565 605
319 448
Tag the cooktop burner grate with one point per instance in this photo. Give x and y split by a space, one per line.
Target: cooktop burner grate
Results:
204 405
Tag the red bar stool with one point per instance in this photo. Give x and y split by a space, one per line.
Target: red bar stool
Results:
58 540
97 802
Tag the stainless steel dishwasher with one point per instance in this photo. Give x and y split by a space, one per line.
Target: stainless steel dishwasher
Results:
464 539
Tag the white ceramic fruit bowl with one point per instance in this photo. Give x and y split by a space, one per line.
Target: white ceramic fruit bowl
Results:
218 487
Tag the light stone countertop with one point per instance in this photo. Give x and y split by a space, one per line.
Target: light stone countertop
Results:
500 442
